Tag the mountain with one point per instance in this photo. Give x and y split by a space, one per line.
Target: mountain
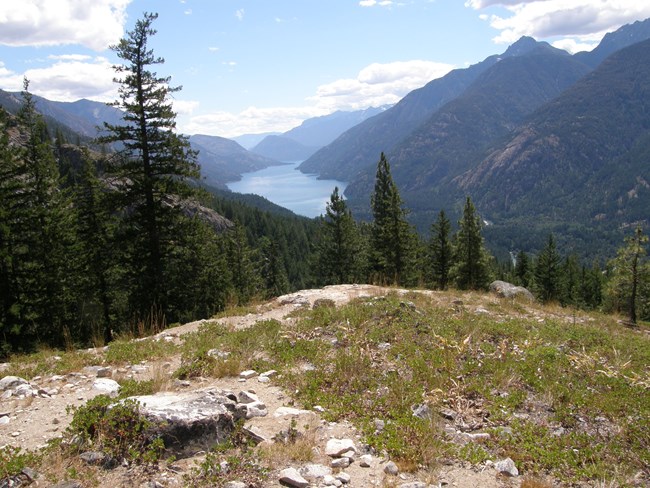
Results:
613 41
249 141
583 157
223 160
453 139
360 146
301 142
283 148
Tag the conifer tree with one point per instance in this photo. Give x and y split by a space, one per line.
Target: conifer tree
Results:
630 280
339 254
471 261
523 269
393 238
273 270
153 169
547 272
440 251
245 279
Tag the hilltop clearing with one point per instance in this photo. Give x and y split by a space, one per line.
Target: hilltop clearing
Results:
445 385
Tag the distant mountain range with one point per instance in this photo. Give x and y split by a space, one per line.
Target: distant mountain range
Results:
301 142
541 140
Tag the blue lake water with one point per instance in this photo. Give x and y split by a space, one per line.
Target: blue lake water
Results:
286 186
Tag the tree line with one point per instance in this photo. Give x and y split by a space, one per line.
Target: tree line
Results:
389 251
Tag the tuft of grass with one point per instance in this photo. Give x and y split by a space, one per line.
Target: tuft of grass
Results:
295 445
124 351
49 361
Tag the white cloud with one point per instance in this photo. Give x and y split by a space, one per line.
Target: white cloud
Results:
574 46
375 85
253 120
378 84
188 11
95 24
584 22
240 14
372 3
213 49
184 107
70 78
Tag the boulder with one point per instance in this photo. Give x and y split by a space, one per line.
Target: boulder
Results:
506 467
189 421
337 447
11 382
291 477
504 289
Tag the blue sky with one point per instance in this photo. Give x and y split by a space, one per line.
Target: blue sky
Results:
251 66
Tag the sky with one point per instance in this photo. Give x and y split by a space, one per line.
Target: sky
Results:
255 66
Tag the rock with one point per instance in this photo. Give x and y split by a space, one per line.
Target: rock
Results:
365 461
68 484
263 379
107 385
251 410
343 478
235 484
31 474
11 382
254 433
94 458
330 480
4 420
448 414
391 468
421 411
284 411
413 484
189 421
270 373
249 373
104 372
340 463
216 353
247 396
292 477
504 289
506 467
336 447
313 472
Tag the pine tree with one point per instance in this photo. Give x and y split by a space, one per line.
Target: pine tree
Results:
570 274
471 261
547 272
153 169
522 269
630 280
245 279
393 238
272 269
339 254
440 251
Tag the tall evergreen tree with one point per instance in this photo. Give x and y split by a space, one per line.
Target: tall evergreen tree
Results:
153 169
523 269
339 257
273 270
440 251
630 280
245 278
471 261
393 238
547 272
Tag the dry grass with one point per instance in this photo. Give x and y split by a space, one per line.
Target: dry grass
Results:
296 447
529 482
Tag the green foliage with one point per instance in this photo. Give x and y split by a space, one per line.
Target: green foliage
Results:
440 251
340 256
13 460
547 272
116 428
393 240
471 261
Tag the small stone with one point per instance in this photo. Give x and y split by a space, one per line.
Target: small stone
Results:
249 373
292 477
104 372
421 411
365 461
330 480
319 409
336 447
235 484
340 463
507 467
314 472
285 411
247 396
93 457
106 385
30 473
264 379
4 420
391 468
448 414
413 484
15 434
343 478
270 373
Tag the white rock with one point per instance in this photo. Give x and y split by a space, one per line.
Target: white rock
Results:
270 373
247 396
263 379
507 467
11 382
4 420
365 461
343 478
414 484
284 411
342 462
314 471
330 480
235 484
106 385
249 373
255 409
336 447
292 477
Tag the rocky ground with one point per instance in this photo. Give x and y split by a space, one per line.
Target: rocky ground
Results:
35 411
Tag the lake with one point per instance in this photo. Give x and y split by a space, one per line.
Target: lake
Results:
286 186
